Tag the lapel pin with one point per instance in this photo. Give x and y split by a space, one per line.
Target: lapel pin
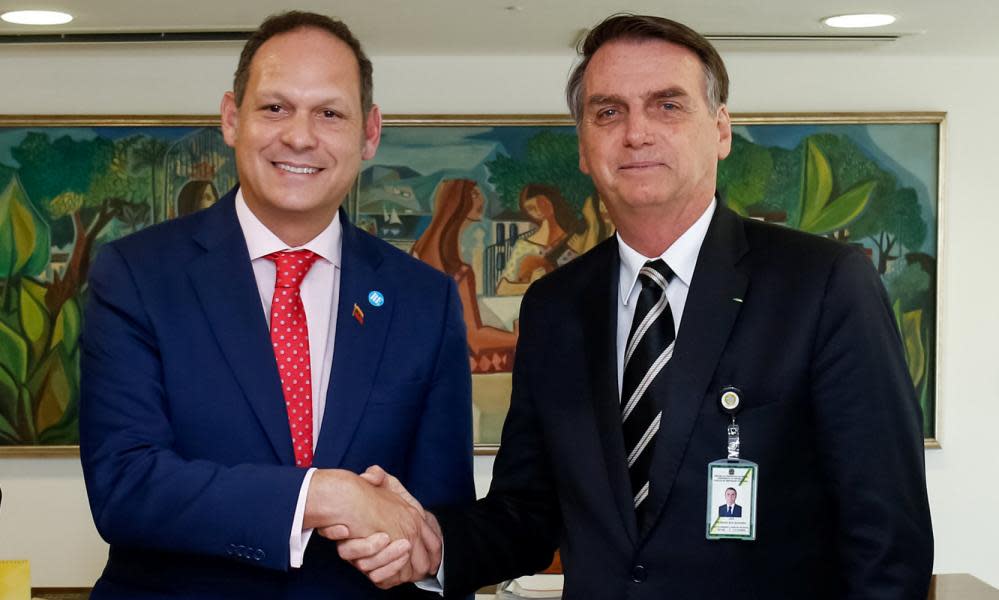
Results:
739 300
358 314
375 298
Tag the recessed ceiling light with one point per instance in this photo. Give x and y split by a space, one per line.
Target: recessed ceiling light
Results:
36 17
858 21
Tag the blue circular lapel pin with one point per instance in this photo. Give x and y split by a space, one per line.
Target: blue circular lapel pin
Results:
375 298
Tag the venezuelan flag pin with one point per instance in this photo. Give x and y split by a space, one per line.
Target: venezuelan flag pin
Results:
358 314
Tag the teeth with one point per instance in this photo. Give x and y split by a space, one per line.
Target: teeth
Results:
297 170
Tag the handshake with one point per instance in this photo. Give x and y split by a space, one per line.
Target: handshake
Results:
379 527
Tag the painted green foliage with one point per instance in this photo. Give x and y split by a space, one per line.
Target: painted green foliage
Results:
827 185
551 158
821 212
66 193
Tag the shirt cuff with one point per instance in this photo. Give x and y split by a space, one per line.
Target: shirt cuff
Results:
300 537
434 584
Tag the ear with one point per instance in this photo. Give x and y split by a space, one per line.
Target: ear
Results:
372 133
230 118
724 122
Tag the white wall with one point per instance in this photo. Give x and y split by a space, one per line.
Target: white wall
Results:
45 516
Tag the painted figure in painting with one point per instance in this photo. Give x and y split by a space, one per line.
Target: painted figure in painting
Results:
625 353
232 394
196 195
558 238
457 204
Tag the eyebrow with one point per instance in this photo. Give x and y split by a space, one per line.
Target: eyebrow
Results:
670 92
275 95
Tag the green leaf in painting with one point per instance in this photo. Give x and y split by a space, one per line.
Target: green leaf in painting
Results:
7 434
67 326
817 186
912 339
9 393
35 321
24 235
13 352
52 390
841 211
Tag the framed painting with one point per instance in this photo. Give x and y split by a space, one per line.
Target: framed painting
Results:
498 201
494 201
67 185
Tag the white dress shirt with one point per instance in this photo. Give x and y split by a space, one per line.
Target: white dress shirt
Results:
681 257
320 290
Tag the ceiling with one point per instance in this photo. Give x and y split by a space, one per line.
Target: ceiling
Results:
482 27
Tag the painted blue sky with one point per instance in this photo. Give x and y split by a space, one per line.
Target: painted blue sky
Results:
428 149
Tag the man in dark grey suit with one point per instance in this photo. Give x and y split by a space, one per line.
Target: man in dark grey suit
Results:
800 325
730 508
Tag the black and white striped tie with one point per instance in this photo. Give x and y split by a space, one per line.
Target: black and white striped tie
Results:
650 346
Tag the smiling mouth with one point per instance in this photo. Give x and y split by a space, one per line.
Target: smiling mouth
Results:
296 170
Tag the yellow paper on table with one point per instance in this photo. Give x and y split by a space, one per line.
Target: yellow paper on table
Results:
15 580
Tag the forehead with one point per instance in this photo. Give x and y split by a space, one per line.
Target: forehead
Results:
633 67
306 50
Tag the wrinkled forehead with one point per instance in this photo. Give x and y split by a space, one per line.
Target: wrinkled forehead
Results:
640 66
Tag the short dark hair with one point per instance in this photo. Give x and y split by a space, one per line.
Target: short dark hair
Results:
645 27
290 21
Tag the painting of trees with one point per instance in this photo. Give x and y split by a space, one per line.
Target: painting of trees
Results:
551 158
837 184
63 193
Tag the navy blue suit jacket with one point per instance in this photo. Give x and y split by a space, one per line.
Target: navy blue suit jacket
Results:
185 444
736 511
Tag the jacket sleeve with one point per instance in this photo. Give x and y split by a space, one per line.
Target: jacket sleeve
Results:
142 492
514 530
440 458
870 438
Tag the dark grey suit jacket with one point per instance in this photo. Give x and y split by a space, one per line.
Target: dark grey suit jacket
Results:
803 327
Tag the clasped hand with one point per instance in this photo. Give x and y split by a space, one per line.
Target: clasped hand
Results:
380 528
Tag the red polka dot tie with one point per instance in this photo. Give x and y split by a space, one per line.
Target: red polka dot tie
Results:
290 338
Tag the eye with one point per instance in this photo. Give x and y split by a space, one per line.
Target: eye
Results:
330 114
274 108
669 105
607 113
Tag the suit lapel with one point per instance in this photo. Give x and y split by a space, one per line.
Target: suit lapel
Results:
358 348
225 285
708 317
600 320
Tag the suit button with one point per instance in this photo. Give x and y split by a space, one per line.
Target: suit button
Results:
638 574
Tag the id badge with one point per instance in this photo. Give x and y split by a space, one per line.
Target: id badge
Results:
731 512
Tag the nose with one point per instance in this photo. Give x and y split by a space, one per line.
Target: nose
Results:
299 132
638 130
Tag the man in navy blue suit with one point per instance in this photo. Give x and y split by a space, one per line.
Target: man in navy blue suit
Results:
241 365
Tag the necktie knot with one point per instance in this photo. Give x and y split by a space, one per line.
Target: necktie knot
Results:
292 266
655 272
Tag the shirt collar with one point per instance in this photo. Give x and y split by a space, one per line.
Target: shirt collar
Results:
261 241
681 256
